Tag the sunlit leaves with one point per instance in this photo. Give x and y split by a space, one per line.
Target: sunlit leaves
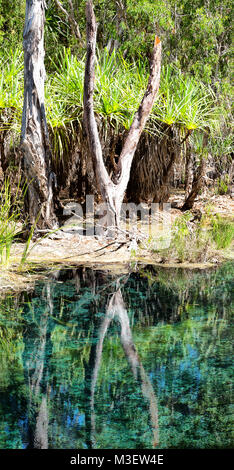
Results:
184 101
11 80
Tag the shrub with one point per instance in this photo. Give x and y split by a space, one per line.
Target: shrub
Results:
222 232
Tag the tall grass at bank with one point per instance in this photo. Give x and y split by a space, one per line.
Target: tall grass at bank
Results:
198 241
9 220
11 223
222 232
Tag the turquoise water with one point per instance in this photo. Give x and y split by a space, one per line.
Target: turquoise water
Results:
95 360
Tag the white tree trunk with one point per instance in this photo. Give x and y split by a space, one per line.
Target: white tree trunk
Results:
35 143
113 191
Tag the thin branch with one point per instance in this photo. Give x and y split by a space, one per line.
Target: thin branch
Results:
76 27
71 19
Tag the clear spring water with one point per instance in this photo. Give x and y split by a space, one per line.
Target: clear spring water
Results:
95 360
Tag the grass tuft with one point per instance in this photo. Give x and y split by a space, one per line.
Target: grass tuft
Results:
222 232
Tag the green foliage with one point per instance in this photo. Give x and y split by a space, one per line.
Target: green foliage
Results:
181 236
11 22
222 185
184 100
11 89
9 220
222 232
119 88
122 75
189 242
195 91
196 242
195 35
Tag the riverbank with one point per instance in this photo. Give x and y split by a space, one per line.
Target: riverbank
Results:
50 255
180 242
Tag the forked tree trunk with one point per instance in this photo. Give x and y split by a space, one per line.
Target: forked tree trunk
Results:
116 309
113 191
35 143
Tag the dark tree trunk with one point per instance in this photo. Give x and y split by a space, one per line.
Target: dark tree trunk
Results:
35 143
6 120
113 190
188 170
198 180
230 178
196 187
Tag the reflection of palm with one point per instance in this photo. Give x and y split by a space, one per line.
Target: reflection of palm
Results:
116 309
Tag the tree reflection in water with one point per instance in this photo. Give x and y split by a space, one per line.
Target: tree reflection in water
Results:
116 310
38 383
84 356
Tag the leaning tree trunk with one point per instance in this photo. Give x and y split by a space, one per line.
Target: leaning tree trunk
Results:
188 170
112 191
198 181
71 19
35 143
196 186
